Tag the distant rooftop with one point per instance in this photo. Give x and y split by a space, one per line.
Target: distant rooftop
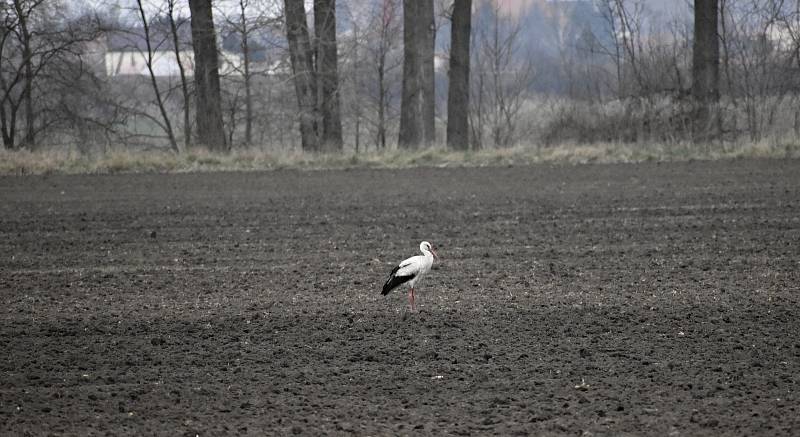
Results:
133 38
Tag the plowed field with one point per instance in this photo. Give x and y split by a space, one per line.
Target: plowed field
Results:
575 300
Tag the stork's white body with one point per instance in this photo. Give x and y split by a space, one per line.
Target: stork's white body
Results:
416 266
411 271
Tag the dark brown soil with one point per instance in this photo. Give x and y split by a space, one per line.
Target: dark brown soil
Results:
590 300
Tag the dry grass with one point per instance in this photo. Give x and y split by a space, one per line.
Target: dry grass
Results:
23 162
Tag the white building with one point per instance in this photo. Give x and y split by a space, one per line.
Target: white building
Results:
165 63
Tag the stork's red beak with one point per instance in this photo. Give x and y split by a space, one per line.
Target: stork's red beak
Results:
433 252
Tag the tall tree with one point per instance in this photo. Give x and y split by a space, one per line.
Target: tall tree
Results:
165 123
502 75
244 29
248 22
458 90
174 25
388 30
705 64
37 48
210 130
427 45
417 110
303 68
23 10
327 74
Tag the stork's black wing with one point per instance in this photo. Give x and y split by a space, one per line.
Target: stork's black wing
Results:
395 280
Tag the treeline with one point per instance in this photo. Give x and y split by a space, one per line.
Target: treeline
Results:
234 74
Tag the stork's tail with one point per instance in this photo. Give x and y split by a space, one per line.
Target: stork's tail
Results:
394 281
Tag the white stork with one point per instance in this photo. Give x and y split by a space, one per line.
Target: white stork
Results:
411 271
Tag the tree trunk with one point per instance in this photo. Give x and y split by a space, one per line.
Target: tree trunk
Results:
384 46
248 91
410 108
7 128
458 91
705 66
327 74
417 110
208 113
30 115
303 69
427 32
382 91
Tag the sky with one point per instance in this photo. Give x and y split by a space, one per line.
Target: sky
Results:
509 6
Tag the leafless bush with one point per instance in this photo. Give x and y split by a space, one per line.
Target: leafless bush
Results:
44 58
502 77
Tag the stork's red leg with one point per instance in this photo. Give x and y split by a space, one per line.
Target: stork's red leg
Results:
412 299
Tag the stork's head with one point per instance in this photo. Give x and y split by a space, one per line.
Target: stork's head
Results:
427 247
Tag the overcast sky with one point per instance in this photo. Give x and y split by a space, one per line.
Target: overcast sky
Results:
512 6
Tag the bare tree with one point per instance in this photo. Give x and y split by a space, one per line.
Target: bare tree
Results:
174 24
605 70
759 65
608 10
165 121
303 70
210 129
502 79
382 42
34 47
248 102
417 112
23 10
11 52
458 91
249 20
705 64
327 74
427 45
353 76
787 22
371 70
624 24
